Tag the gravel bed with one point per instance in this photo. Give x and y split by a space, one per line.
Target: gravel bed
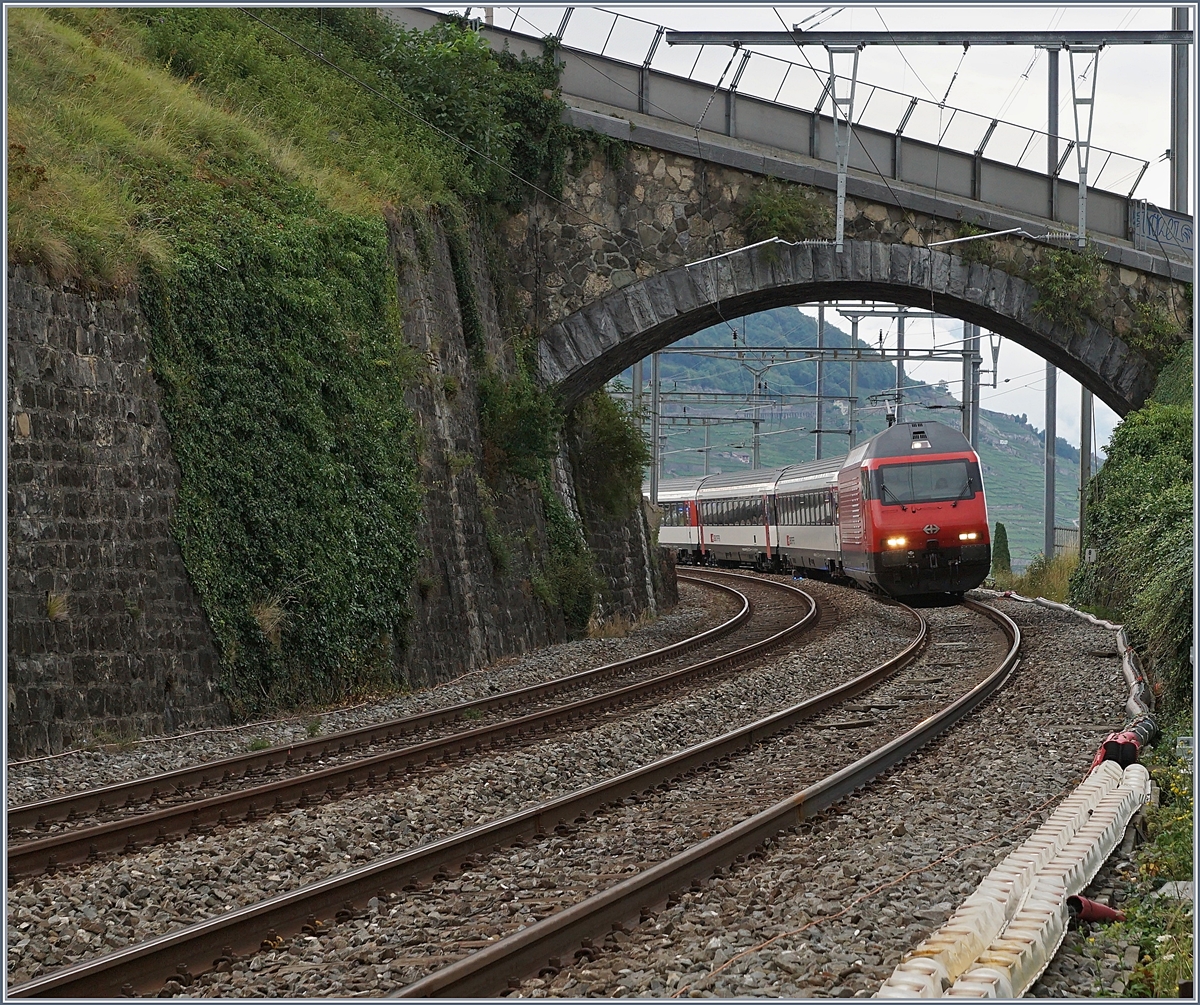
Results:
56 920
699 609
773 612
831 910
520 886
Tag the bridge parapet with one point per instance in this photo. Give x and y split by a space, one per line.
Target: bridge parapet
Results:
987 174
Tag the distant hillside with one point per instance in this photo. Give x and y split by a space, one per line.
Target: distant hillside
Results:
1010 449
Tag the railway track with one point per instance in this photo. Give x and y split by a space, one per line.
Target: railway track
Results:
218 942
187 814
576 933
29 820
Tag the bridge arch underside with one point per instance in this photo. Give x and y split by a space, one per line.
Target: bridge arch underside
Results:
578 354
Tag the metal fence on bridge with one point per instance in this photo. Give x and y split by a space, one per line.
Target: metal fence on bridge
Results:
785 103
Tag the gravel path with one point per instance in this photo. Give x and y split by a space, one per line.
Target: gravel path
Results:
162 888
699 609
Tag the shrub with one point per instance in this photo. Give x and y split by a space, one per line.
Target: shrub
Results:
568 580
610 451
1139 520
778 209
1068 283
520 421
1001 559
1043 579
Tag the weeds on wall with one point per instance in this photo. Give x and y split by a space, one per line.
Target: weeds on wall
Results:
779 209
1068 284
1140 521
567 579
609 453
981 252
1154 331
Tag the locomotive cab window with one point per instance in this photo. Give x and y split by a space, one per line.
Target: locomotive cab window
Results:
935 481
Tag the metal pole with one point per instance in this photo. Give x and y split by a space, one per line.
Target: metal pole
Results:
637 391
655 449
707 443
755 463
1052 129
965 425
900 365
1051 435
820 382
1179 115
853 379
1085 456
976 360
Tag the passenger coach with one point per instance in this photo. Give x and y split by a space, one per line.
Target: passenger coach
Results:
903 512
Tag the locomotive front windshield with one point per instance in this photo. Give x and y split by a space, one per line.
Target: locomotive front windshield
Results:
932 481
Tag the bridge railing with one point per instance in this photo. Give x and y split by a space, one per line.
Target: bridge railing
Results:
620 60
799 84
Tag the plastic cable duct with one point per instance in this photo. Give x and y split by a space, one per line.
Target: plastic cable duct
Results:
980 919
1003 936
1013 962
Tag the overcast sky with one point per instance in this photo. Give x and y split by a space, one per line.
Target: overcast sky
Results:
1132 114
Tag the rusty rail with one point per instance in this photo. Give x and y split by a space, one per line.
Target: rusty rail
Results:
28 815
484 973
198 947
126 835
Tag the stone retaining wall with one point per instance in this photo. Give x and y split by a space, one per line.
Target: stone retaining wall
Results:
105 634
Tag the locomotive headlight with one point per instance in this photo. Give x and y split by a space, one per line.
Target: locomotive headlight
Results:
969 536
896 542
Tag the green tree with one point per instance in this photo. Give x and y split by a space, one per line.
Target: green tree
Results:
1001 560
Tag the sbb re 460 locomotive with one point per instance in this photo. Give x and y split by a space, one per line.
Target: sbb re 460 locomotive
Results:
903 512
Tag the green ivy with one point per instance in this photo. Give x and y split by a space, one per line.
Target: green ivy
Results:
610 452
1068 285
276 337
568 580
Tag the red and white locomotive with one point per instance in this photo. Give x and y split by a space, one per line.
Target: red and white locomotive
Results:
903 512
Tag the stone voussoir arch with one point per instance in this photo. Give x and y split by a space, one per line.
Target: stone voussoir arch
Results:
579 353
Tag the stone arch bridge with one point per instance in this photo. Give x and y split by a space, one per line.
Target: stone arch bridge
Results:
640 255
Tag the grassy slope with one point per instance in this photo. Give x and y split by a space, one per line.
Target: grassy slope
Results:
93 108
266 277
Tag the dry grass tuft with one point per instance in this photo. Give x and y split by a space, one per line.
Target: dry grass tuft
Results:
58 606
271 617
617 626
1051 580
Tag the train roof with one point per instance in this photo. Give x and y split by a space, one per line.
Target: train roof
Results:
911 439
675 490
895 441
732 484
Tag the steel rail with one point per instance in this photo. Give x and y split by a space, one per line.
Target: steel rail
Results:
144 967
29 815
84 843
484 973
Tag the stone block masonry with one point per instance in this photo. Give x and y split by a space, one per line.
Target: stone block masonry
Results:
105 634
